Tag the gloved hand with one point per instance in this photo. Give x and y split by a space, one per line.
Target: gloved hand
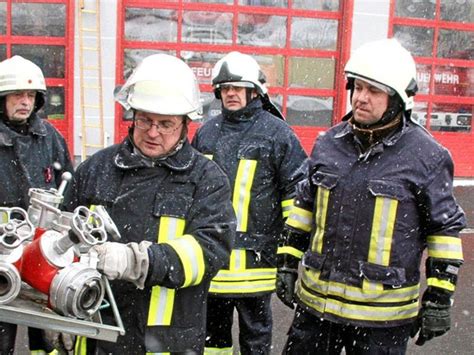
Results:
434 316
61 342
127 262
285 286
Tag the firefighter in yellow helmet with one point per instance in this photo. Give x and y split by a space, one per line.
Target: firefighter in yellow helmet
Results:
259 152
172 208
33 154
378 192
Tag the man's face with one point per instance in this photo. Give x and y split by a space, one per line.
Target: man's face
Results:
368 102
20 105
155 134
234 97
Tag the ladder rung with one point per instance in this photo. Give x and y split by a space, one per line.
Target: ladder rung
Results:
91 106
90 48
89 29
90 68
90 125
88 11
94 145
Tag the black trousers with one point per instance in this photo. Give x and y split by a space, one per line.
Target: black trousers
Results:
255 323
312 335
8 336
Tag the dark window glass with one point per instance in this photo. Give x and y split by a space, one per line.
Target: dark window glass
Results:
3 17
262 30
424 9
207 27
457 11
313 33
151 25
54 105
33 19
456 44
320 5
418 40
309 111
49 58
3 52
449 117
310 72
267 3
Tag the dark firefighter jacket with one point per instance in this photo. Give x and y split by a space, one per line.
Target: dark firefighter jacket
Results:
29 161
259 153
182 205
370 216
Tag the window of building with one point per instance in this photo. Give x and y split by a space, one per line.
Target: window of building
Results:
440 34
42 33
298 45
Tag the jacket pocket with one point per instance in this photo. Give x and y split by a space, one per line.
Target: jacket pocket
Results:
387 275
324 179
172 204
313 260
390 189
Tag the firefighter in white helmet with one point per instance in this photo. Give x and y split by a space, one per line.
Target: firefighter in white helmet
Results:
259 153
378 192
33 154
172 208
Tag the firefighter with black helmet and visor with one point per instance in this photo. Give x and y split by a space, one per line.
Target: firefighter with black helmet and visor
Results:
33 154
378 192
172 208
259 153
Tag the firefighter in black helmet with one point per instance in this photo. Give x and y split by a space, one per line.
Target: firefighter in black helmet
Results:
259 153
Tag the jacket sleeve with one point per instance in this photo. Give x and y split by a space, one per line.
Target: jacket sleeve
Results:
208 238
442 219
290 157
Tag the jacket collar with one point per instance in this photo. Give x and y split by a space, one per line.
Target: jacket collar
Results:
36 128
244 114
390 140
128 157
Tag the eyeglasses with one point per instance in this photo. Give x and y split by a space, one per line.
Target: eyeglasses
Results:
164 127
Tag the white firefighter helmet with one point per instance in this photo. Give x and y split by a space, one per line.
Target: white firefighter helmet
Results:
235 68
18 73
162 84
387 63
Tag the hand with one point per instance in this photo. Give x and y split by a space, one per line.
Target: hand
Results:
62 342
285 286
127 262
434 317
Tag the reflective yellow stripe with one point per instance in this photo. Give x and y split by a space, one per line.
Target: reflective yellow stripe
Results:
162 298
246 274
43 352
80 347
218 351
150 353
286 207
290 250
311 280
444 247
242 188
300 218
380 248
358 312
3 217
432 281
243 286
209 156
192 258
322 198
238 259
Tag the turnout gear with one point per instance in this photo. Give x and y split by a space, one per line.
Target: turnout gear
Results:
61 342
387 65
18 74
127 262
259 154
162 84
181 205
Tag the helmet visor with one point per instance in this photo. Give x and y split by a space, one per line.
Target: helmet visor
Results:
386 89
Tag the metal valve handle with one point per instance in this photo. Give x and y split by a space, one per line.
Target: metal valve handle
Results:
15 231
88 226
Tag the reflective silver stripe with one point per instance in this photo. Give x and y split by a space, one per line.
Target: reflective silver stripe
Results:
445 247
356 294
